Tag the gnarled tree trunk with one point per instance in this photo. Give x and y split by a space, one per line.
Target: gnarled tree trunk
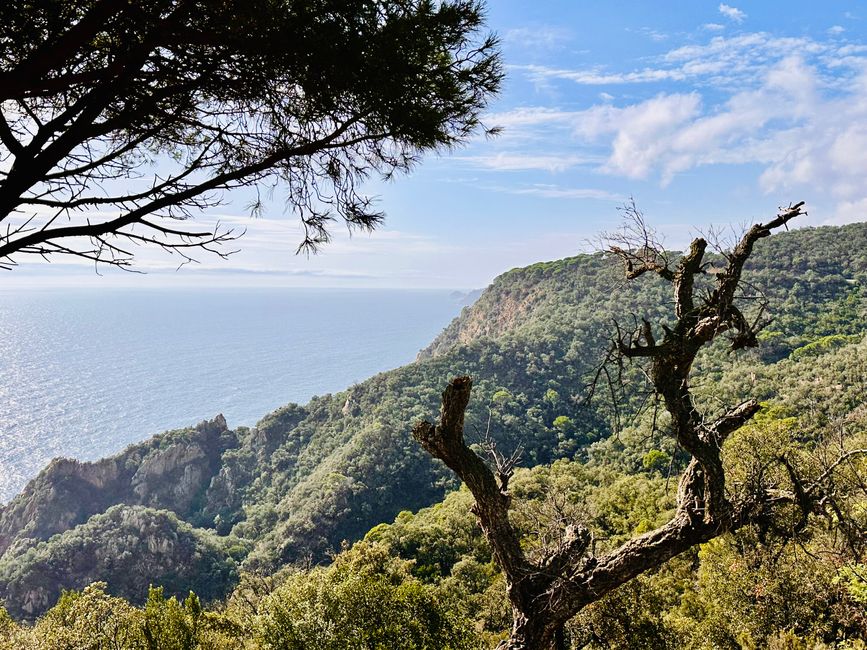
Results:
546 593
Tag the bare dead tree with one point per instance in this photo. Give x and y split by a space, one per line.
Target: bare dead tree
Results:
639 246
120 121
545 592
504 466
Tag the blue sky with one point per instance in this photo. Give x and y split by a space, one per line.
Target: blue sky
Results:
706 113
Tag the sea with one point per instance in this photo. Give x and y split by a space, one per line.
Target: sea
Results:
86 372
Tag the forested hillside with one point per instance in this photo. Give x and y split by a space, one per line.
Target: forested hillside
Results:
290 490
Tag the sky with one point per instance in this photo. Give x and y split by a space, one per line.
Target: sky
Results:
707 114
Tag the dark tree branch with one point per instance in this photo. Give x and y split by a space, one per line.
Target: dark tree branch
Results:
8 138
33 71
222 95
546 593
733 420
137 215
829 471
690 265
445 441
576 540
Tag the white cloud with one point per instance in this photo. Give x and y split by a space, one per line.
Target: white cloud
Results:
671 133
548 191
799 123
742 60
723 62
792 108
849 212
641 132
713 27
836 30
652 34
792 105
529 116
598 77
538 37
514 161
732 13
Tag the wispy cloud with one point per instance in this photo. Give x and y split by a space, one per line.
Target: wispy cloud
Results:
538 37
732 13
598 76
547 191
652 34
530 116
513 161
722 61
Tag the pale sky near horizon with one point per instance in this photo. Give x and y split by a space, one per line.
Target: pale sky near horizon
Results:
706 113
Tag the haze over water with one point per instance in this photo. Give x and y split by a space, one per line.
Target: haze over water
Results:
83 373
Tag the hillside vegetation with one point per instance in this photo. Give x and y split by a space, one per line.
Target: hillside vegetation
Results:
289 491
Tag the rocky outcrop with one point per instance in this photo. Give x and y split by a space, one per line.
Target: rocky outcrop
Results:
175 476
129 547
170 471
491 313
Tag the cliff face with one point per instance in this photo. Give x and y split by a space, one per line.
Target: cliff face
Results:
132 545
543 294
170 471
496 311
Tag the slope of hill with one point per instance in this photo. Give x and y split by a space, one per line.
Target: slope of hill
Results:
307 477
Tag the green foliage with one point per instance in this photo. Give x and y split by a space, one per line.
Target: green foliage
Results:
169 624
437 538
854 579
7 623
366 600
633 616
127 543
655 460
747 592
823 345
89 620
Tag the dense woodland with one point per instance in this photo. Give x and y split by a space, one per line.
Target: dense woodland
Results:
327 526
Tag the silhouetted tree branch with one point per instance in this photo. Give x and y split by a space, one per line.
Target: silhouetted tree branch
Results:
310 98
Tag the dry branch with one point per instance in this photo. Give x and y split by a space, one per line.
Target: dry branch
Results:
546 592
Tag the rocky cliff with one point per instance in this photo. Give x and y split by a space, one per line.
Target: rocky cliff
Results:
171 471
134 546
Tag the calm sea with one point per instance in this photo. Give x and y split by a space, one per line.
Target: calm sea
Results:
83 373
